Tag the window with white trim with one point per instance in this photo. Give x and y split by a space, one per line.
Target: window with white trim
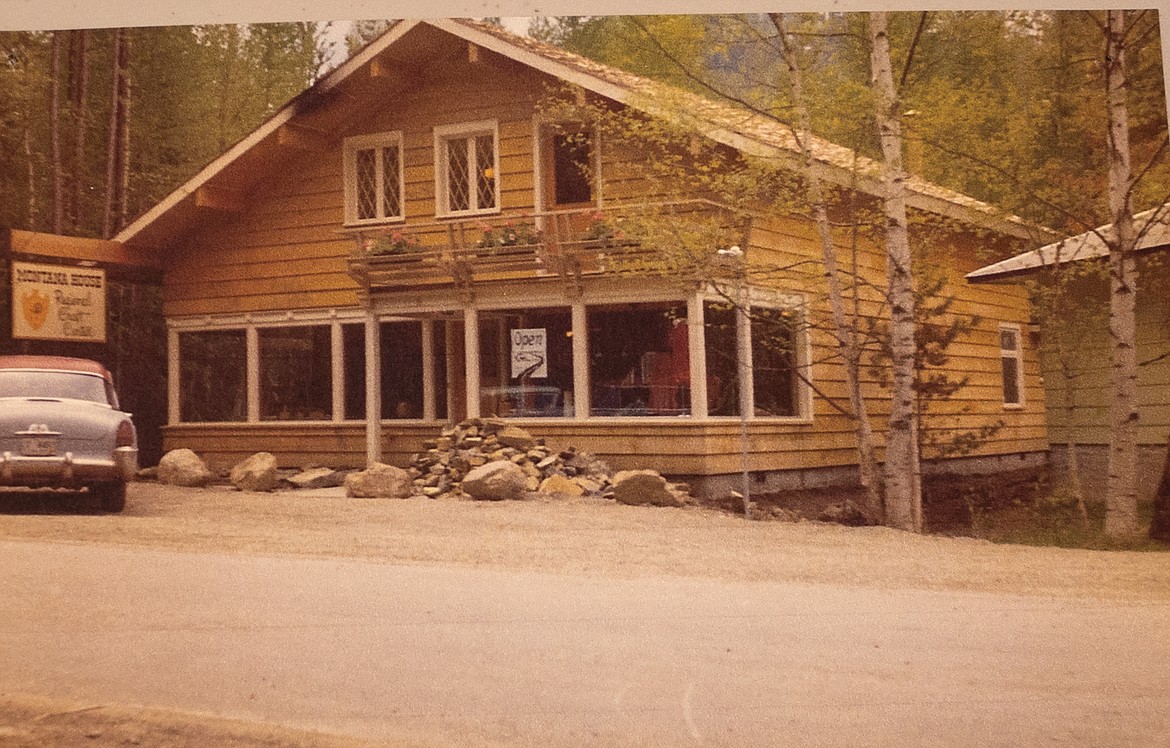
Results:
467 169
1011 360
373 178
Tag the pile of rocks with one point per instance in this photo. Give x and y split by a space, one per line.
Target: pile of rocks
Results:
480 458
471 457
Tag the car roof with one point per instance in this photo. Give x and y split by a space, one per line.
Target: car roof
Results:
55 363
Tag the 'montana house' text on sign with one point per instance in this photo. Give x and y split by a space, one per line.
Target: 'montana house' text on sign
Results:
55 302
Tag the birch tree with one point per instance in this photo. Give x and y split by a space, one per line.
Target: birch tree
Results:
844 329
902 470
1121 492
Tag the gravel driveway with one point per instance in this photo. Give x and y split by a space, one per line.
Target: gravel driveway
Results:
583 536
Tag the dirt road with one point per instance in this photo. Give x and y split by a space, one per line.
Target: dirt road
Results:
580 536
659 623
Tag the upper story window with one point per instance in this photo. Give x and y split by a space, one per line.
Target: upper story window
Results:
567 165
373 178
1011 358
467 165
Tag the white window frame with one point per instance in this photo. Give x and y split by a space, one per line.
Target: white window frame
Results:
802 349
465 131
1018 355
376 141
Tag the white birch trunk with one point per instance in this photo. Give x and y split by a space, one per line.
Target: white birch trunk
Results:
1121 491
843 330
902 477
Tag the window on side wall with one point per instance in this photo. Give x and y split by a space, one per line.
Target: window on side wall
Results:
373 179
1011 361
467 169
213 367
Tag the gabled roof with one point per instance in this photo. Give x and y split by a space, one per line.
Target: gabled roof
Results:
1154 233
747 132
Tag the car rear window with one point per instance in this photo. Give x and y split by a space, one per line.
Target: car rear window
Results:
63 385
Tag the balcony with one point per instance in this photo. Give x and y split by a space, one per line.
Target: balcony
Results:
648 239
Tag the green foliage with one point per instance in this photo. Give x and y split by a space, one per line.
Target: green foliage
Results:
1004 106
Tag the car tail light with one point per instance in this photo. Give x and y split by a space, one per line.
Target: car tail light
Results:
125 436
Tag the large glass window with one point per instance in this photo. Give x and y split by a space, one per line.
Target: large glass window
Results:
213 369
296 375
774 379
402 370
639 360
722 369
526 363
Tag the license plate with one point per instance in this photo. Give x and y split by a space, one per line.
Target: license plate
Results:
38 446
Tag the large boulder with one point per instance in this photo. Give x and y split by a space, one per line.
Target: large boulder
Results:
645 487
256 473
379 481
182 467
496 481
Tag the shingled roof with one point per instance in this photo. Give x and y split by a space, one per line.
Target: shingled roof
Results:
749 132
1154 233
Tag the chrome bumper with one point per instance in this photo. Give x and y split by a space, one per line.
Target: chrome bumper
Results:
67 470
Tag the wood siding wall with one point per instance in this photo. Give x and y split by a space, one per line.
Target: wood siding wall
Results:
1090 357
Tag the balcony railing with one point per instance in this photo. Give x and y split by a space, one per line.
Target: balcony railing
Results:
628 238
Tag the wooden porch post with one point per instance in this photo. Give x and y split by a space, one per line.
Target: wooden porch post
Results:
581 394
428 357
697 345
471 358
373 388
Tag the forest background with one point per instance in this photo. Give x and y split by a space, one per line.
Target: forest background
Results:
98 125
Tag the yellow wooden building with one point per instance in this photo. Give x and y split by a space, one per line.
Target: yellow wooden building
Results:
411 242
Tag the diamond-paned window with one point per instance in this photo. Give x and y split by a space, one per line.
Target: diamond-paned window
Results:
373 178
458 191
485 146
467 168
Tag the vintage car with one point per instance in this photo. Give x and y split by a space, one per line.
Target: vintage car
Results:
61 427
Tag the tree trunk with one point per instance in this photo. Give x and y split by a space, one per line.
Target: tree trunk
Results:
55 136
124 99
844 331
902 476
1160 526
33 206
1121 492
113 155
81 112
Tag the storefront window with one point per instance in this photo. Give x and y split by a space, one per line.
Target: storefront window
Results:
774 380
213 376
526 363
402 370
296 380
353 339
639 362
